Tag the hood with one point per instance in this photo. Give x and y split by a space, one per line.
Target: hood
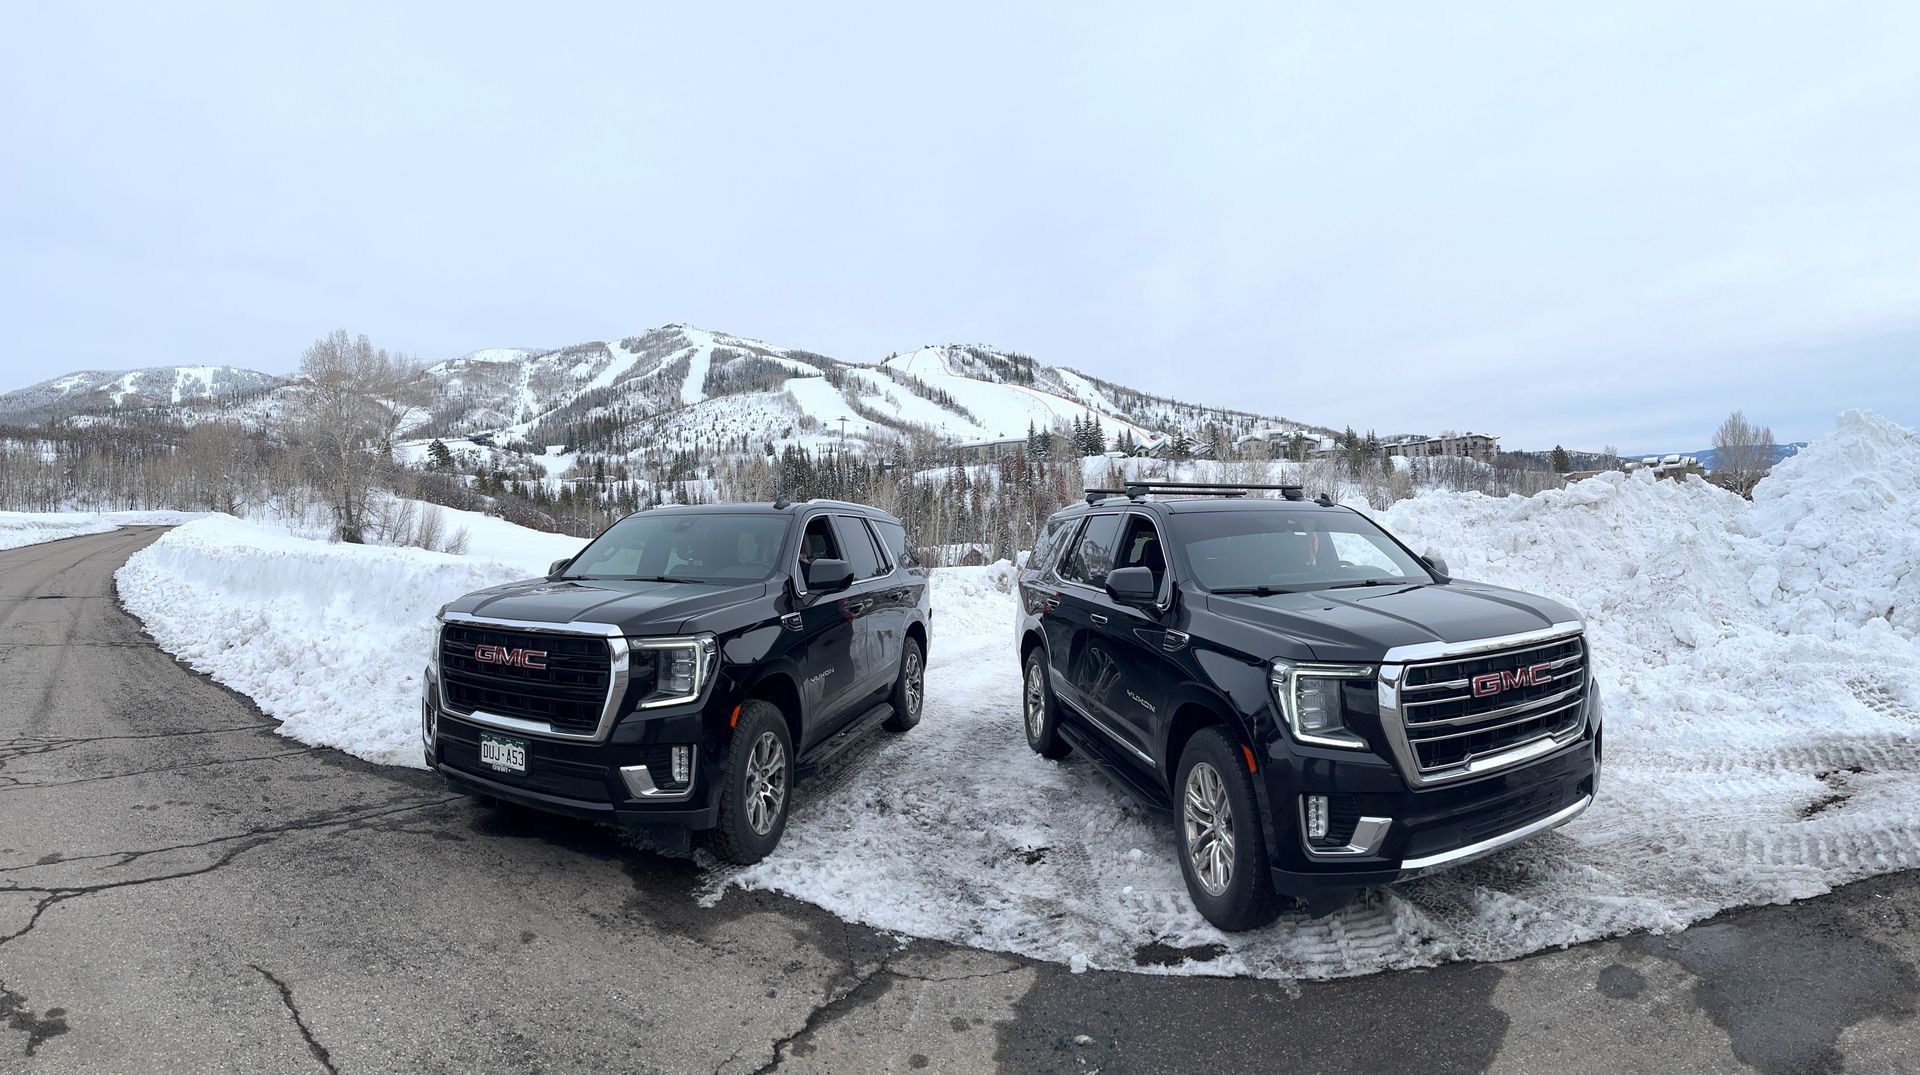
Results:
1361 623
637 608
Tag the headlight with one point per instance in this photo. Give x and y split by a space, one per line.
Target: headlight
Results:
1309 697
680 668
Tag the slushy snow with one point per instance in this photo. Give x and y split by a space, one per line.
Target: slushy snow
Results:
1763 727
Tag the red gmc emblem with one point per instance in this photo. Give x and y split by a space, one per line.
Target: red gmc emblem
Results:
1495 682
518 658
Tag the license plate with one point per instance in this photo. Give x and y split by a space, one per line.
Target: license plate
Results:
506 755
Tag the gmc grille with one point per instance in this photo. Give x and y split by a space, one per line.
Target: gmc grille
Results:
569 693
1448 723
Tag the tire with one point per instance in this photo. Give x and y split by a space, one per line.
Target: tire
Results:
1040 713
1213 797
909 688
756 781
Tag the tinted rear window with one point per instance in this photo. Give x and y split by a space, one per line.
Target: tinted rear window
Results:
1091 557
895 537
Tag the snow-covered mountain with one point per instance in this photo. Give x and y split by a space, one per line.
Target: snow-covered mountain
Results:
684 389
681 388
104 391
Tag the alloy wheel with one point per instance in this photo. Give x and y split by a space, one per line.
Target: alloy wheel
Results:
1036 702
1208 821
916 684
766 789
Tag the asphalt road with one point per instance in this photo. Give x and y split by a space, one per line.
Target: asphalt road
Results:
182 889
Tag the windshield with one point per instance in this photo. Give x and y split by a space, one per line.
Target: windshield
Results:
1288 551
685 548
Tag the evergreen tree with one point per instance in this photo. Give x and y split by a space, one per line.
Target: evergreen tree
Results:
1560 461
442 456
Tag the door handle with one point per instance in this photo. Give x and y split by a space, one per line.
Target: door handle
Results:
1098 618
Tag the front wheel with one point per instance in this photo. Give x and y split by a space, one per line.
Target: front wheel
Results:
1222 852
757 785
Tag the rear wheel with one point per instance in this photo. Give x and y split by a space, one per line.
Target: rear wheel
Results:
1222 850
910 689
1037 706
757 785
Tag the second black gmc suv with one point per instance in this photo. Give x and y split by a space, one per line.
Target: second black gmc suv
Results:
1320 708
679 672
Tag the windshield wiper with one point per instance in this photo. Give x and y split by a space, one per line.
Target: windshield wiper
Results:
1371 582
1257 591
663 578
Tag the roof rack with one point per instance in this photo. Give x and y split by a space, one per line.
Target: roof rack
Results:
1136 490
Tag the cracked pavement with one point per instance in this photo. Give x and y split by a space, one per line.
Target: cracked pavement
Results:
180 888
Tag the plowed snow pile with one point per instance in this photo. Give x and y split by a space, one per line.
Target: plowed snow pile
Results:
329 639
1763 743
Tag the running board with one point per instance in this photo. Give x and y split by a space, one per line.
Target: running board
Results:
838 743
1093 746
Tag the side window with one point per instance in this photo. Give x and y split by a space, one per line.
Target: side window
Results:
858 544
894 537
817 542
1092 556
1140 547
1043 549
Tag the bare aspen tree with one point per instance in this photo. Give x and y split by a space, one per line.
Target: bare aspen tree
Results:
224 463
1746 453
352 401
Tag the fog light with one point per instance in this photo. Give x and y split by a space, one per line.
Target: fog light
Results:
682 764
1316 817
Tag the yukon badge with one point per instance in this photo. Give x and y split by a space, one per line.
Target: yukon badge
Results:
517 658
1494 682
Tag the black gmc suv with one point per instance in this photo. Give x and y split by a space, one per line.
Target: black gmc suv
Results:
1320 708
678 673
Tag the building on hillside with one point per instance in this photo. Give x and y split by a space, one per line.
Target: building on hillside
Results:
1481 446
1278 443
988 451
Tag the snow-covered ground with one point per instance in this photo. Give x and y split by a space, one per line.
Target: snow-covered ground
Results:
1763 725
20 528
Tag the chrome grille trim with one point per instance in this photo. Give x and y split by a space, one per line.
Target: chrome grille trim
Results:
1398 702
617 650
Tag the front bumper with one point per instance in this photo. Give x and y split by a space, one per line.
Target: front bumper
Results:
622 781
1428 829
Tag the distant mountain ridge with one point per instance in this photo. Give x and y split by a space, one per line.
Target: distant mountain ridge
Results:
101 391
679 388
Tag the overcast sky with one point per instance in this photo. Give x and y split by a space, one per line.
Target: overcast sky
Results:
1585 224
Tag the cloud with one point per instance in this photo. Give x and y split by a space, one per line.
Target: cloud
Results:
1350 216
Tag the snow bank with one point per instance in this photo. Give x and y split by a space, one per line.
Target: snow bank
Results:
329 639
1763 743
19 528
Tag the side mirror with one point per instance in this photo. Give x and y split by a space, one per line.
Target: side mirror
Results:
558 568
1437 562
1132 586
829 576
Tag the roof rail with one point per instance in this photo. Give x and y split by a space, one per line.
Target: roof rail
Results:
1136 490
